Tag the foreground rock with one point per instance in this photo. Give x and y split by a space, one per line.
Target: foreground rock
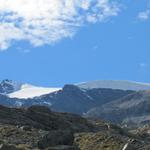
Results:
8 147
58 137
38 128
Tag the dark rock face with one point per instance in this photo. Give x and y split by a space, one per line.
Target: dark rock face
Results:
75 100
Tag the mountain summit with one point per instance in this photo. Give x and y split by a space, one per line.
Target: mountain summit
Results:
115 84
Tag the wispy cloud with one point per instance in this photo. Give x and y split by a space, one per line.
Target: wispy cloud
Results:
48 21
143 16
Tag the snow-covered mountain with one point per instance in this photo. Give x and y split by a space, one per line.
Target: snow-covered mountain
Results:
69 99
23 91
115 84
9 86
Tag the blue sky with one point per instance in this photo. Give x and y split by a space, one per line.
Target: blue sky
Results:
116 47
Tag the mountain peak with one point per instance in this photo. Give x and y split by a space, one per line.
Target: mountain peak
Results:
8 86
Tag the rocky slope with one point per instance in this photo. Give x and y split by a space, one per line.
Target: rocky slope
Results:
132 109
39 128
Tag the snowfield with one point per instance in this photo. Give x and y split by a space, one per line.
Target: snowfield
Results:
30 91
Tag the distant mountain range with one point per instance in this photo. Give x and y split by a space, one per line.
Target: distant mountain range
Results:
115 84
118 101
15 89
69 99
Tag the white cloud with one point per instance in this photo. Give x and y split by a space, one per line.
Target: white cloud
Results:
48 21
144 15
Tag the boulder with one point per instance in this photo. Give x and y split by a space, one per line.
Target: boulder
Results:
54 138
